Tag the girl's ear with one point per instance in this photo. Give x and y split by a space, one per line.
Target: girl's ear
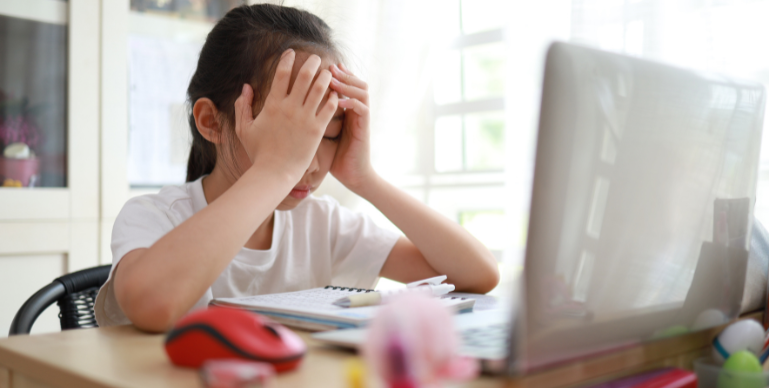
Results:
206 120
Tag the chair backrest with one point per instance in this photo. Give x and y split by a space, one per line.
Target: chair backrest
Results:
75 294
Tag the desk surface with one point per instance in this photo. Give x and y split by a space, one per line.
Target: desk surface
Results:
125 357
122 356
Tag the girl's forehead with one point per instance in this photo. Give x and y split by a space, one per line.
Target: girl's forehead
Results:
326 61
301 57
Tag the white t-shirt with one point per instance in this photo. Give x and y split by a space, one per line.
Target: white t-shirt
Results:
318 243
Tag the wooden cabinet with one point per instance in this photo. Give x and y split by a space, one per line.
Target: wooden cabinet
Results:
48 231
65 224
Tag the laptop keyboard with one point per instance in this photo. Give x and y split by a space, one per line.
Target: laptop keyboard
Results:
486 342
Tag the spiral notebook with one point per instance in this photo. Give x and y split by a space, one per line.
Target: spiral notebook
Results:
313 309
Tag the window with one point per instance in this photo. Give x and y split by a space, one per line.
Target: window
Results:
468 90
451 141
164 42
488 226
33 101
464 180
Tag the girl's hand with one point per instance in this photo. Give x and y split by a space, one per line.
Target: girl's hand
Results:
286 133
352 162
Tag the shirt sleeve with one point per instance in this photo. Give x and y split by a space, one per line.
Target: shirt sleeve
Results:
359 249
139 225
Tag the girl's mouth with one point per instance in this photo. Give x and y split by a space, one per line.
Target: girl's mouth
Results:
300 192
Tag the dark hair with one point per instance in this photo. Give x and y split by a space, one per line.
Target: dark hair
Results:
245 47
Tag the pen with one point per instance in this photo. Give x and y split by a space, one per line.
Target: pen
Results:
431 286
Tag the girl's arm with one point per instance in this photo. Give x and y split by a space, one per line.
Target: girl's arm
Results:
434 245
157 285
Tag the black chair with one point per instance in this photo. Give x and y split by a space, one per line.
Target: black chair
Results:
75 294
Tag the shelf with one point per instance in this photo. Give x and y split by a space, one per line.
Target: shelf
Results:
34 204
45 11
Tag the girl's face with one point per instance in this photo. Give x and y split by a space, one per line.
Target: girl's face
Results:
324 156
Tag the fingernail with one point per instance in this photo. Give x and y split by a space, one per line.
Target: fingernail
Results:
244 89
335 67
289 51
335 81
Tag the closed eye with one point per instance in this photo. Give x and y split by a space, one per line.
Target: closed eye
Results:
335 138
337 120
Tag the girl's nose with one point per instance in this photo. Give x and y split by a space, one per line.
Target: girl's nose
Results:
314 164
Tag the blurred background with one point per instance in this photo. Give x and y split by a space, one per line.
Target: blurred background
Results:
92 98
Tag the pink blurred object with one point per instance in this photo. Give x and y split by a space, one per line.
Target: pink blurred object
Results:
237 374
412 343
21 170
18 129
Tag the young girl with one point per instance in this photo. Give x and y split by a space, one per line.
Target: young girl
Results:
273 112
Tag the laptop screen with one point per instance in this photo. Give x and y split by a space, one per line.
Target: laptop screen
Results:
644 186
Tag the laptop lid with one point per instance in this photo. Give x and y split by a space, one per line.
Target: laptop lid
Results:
642 202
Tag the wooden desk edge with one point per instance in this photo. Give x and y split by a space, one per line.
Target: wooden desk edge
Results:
677 351
50 374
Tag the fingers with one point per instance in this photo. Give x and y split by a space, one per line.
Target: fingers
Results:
328 110
356 105
349 90
347 77
304 79
243 111
283 73
318 90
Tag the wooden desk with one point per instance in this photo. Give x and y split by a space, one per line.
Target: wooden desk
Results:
125 357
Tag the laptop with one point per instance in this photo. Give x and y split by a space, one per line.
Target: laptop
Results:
641 211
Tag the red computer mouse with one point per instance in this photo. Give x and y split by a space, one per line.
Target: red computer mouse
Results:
221 333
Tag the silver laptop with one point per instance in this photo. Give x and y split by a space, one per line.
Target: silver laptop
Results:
641 211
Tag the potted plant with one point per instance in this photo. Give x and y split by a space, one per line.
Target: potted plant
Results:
19 137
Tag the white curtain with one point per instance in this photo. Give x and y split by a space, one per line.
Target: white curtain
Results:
393 45
387 44
396 46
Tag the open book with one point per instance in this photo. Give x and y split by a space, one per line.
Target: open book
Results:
313 309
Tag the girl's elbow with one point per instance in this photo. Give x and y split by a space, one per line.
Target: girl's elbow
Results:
484 279
153 320
489 276
154 315
489 280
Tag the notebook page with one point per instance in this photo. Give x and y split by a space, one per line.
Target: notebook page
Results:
318 303
312 300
